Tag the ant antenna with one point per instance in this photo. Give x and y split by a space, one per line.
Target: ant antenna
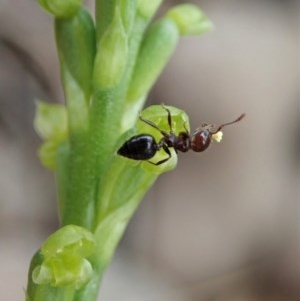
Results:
228 123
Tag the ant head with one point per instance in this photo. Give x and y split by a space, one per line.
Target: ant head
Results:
201 139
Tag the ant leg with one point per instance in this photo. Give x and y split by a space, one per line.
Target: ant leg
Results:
186 130
149 122
228 123
163 160
169 117
154 125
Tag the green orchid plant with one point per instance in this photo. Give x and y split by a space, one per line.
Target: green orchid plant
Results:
108 65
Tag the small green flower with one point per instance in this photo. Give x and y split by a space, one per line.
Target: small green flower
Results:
65 262
51 123
158 115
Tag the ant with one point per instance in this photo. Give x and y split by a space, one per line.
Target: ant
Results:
144 147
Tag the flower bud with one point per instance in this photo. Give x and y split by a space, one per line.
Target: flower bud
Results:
61 8
189 19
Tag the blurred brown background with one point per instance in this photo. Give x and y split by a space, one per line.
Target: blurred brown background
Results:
225 224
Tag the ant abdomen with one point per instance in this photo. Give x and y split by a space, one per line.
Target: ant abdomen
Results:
140 147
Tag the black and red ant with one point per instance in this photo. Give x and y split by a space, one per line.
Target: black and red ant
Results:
144 147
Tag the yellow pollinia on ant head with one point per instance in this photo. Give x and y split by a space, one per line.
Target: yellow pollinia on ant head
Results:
217 136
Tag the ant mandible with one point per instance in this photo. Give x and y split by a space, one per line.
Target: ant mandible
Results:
143 147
